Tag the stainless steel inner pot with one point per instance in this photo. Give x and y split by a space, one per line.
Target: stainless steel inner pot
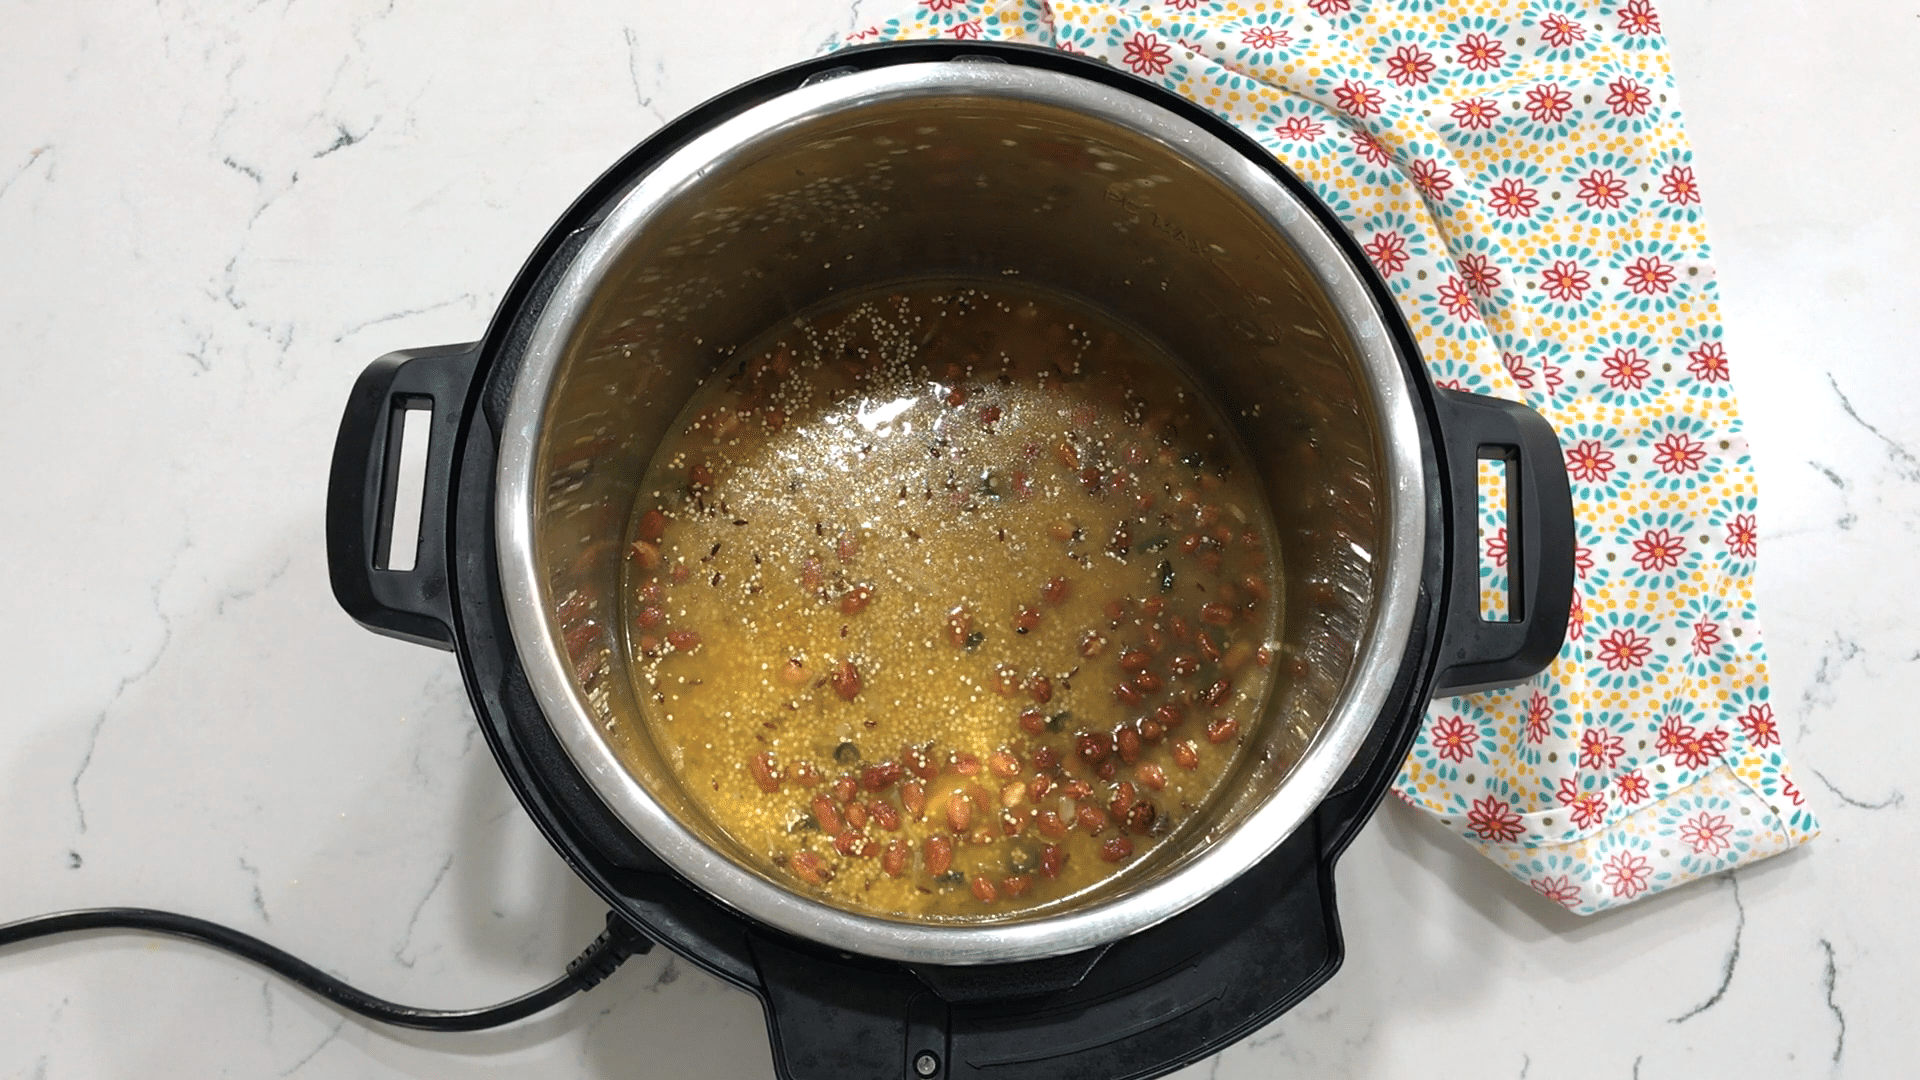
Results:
970 169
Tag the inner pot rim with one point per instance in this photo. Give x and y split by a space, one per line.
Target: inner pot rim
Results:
1376 660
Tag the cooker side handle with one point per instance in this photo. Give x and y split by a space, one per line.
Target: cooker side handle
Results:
1476 654
414 604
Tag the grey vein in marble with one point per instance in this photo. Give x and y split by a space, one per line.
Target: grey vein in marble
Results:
1733 956
360 25
343 335
332 1034
345 138
1896 798
281 335
1819 693
120 687
99 723
640 94
1850 518
586 1035
228 293
669 974
259 900
235 596
247 171
1288 1044
1903 460
406 939
198 354
32 156
1832 975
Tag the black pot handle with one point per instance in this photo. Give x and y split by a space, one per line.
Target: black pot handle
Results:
1476 654
414 604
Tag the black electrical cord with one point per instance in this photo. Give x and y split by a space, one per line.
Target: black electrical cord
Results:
612 948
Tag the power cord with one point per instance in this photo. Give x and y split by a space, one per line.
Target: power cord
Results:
615 944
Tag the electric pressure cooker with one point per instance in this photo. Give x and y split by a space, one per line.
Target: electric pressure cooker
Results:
951 160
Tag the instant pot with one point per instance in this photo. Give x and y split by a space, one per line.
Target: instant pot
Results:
996 163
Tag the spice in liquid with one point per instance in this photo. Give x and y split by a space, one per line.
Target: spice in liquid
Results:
950 602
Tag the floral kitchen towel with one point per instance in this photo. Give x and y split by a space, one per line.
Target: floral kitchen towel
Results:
1517 172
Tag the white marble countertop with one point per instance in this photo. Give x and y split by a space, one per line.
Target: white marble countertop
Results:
214 215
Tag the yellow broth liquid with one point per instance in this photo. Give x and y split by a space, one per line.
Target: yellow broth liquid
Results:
950 602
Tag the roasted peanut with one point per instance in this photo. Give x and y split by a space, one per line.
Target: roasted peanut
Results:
846 680
893 861
937 853
810 868
827 815
983 889
959 811
765 775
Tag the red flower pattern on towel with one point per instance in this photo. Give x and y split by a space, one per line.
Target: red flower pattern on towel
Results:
1147 54
1454 738
1627 874
1410 66
1510 198
1494 821
1475 114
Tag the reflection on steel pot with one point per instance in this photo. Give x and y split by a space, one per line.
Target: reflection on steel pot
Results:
937 161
